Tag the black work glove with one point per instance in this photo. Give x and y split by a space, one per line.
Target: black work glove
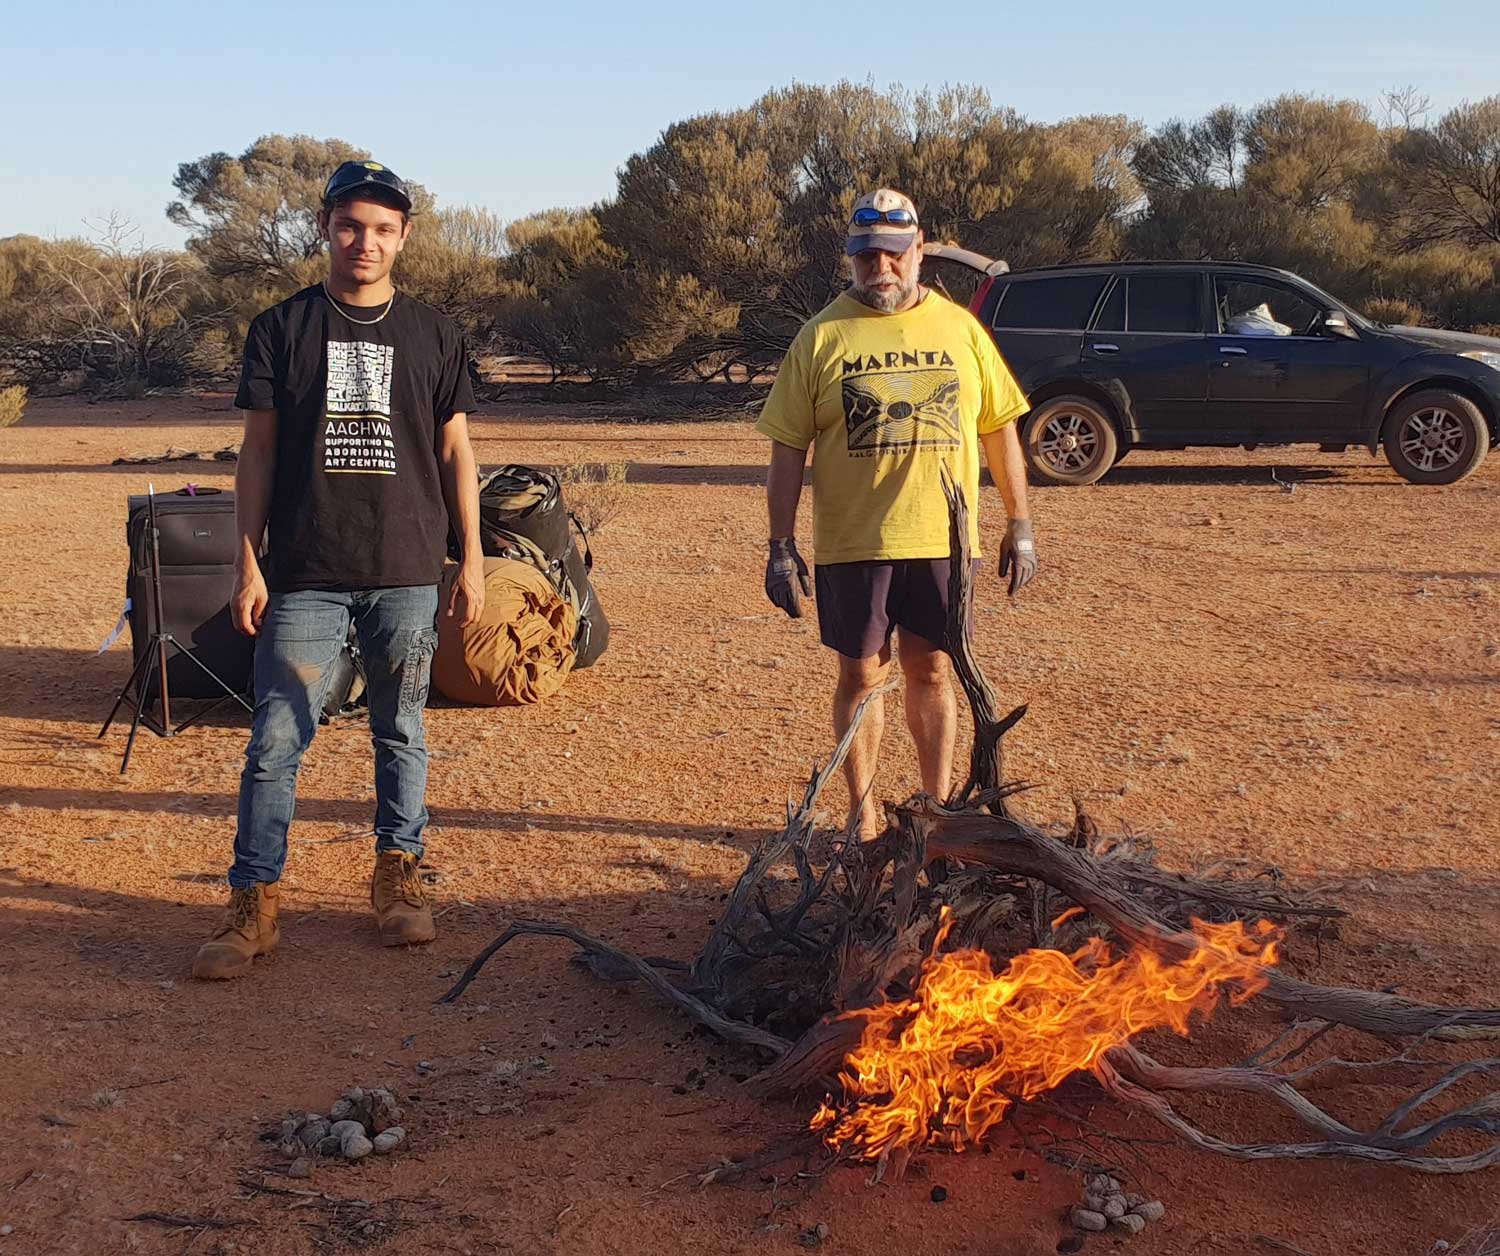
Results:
785 570
1018 555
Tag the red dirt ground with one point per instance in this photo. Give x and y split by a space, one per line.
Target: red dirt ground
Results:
1311 678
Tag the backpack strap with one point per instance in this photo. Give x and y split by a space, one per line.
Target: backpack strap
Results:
583 533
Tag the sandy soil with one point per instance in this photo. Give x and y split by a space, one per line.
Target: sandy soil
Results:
1311 678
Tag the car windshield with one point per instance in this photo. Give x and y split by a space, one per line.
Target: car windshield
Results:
1333 303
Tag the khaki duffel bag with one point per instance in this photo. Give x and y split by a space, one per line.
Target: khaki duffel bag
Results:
521 648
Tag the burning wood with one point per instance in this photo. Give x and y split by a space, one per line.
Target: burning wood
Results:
966 963
943 1067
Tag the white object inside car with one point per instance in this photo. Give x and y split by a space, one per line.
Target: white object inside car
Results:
1257 322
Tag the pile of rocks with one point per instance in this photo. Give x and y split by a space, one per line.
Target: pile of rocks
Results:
361 1123
1106 1203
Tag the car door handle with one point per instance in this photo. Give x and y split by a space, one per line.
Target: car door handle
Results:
1105 348
1231 349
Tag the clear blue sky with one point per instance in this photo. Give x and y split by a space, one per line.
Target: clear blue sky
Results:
522 107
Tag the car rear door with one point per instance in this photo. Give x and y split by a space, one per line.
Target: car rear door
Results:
1149 334
1038 322
1282 380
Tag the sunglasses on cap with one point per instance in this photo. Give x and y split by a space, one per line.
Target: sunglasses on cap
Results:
353 175
903 218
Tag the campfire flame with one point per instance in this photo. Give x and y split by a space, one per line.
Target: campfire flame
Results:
942 1068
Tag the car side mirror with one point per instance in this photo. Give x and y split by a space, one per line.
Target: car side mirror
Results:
1336 323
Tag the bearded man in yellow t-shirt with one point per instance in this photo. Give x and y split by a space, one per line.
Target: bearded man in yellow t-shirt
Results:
889 384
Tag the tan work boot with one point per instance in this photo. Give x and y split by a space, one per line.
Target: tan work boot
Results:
249 929
399 900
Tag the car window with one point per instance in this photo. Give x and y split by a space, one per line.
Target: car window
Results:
1112 313
1063 303
1253 307
1164 303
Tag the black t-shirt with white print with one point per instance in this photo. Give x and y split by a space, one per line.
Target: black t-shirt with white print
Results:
357 502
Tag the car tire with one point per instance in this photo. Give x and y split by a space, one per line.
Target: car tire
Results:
1069 440
1435 437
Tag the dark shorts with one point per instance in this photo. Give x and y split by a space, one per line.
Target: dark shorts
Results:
859 603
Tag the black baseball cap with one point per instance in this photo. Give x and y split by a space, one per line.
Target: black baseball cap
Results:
354 177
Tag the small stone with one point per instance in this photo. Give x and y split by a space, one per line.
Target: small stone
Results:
939 1194
1087 1219
289 1149
384 1112
822 1230
1151 1210
7 1230
288 1129
388 1140
300 1168
346 1129
314 1132
425 1065
1114 1207
1440 1245
1134 1201
356 1147
1130 1222
1093 1202
342 1110
329 1147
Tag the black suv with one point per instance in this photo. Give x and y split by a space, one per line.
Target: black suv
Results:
1162 355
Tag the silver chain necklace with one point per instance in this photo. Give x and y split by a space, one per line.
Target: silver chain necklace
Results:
359 322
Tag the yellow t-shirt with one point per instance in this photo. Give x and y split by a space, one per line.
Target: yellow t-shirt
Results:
886 401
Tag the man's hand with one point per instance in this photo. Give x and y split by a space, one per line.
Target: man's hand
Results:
466 597
247 604
1018 555
785 571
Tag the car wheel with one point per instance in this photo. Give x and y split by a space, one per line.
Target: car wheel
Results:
1069 440
1435 437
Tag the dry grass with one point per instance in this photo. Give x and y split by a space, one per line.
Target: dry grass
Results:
1395 312
594 492
12 405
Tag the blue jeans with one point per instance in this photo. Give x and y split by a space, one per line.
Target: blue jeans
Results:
300 637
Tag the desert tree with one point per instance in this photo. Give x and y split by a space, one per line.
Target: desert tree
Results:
125 304
254 217
562 298
1448 179
1405 107
455 260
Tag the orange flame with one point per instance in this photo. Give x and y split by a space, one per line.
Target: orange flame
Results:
942 1067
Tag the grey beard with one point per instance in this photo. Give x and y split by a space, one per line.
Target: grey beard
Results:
886 300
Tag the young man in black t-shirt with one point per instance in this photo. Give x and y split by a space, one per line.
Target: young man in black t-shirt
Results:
355 459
